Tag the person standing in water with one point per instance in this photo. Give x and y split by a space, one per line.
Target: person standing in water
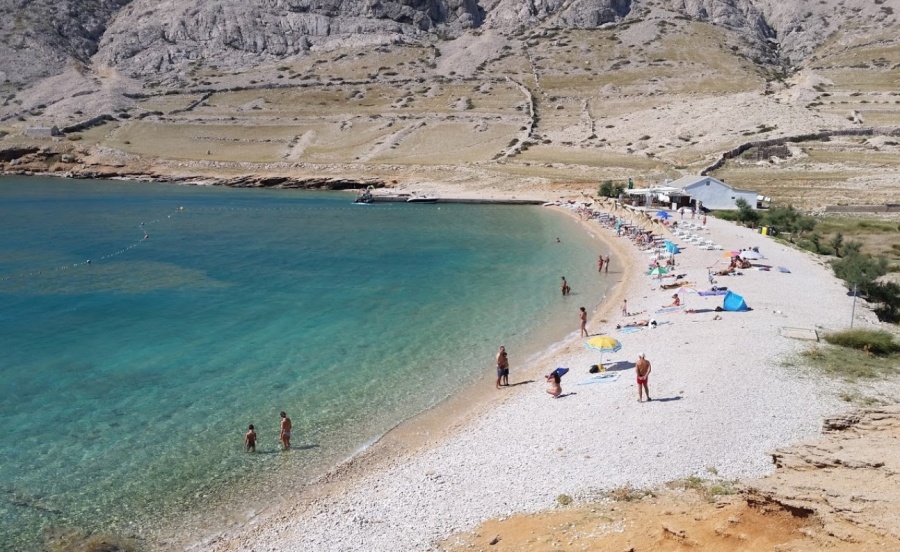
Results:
599 263
565 286
606 265
285 436
582 315
250 440
642 369
502 368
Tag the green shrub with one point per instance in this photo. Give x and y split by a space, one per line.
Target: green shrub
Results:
875 342
730 216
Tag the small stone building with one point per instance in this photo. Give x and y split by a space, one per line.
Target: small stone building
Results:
712 193
42 132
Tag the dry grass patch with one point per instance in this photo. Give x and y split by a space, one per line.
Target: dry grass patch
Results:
588 158
333 145
168 103
261 144
439 143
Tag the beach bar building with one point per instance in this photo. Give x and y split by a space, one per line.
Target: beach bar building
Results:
712 193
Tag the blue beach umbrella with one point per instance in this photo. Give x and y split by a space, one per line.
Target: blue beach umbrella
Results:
662 214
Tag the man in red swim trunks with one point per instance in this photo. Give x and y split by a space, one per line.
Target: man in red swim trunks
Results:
642 369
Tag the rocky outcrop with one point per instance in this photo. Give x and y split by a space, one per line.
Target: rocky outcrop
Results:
155 40
39 38
848 478
150 37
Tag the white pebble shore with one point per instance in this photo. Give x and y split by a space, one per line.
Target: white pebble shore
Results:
725 394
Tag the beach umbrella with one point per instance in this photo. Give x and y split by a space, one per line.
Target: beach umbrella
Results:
662 214
604 344
686 289
730 254
658 271
750 255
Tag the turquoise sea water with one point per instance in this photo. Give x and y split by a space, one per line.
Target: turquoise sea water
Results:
126 384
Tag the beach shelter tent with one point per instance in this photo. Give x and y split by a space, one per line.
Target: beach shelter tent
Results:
734 302
671 247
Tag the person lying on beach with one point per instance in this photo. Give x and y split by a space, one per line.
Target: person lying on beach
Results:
676 302
555 389
637 324
674 285
725 272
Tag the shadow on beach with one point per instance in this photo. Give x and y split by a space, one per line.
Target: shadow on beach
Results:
519 383
668 399
619 366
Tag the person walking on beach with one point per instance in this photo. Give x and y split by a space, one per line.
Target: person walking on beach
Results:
502 368
624 307
642 369
565 286
582 315
250 440
599 263
285 436
606 265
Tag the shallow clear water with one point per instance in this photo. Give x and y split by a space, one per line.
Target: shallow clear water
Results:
127 383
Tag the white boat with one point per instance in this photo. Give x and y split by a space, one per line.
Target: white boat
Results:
422 199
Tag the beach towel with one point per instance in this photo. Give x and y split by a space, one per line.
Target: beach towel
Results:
631 329
668 310
784 269
600 378
712 292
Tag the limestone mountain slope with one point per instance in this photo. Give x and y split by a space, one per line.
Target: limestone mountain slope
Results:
482 91
149 38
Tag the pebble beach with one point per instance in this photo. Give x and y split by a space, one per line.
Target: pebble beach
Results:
727 388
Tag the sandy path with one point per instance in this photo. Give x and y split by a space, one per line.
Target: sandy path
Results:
723 399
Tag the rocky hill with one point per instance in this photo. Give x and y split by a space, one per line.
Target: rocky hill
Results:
559 90
150 39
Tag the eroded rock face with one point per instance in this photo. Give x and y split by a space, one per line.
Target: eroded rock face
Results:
850 475
149 37
39 38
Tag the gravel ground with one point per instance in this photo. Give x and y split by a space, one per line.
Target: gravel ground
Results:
724 396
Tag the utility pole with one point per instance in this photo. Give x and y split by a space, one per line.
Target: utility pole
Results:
853 309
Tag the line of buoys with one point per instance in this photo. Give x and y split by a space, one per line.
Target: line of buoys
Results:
143 225
90 261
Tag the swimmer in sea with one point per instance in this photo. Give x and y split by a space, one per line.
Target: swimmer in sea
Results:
285 436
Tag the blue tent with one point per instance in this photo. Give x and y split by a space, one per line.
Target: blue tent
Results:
734 302
671 247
